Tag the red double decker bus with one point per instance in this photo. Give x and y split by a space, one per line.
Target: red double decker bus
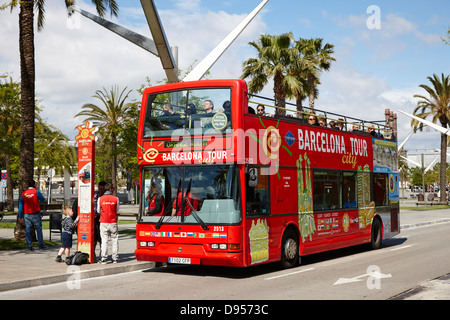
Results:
222 185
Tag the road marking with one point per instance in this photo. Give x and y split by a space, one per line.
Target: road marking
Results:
289 274
374 275
400 248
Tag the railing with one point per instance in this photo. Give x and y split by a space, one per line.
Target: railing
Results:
383 128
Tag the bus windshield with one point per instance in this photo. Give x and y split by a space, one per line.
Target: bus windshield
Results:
180 112
192 194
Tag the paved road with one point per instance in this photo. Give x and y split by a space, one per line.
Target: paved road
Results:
406 262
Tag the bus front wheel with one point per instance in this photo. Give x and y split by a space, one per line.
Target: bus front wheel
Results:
289 250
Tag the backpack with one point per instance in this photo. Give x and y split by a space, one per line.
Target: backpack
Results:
78 258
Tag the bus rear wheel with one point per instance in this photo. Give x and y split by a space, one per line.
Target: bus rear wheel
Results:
376 235
289 250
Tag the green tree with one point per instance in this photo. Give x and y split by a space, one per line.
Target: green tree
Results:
273 61
109 121
27 73
295 67
316 57
437 106
446 38
52 149
9 131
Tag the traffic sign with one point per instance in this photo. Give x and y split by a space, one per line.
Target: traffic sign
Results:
4 175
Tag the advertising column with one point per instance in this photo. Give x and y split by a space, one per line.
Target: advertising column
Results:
86 174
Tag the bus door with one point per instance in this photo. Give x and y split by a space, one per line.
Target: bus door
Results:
259 238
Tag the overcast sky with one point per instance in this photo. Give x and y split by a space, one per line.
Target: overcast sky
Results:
384 51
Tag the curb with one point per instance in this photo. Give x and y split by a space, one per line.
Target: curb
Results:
75 275
424 224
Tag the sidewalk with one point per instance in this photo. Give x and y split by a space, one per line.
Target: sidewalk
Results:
23 269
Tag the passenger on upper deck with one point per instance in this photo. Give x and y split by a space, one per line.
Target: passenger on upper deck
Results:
260 110
168 110
372 132
208 106
340 124
171 118
190 109
333 124
312 120
355 128
322 122
227 106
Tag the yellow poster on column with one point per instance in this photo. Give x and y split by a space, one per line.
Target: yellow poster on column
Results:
86 174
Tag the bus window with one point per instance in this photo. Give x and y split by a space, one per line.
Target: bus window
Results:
211 191
257 190
380 189
179 112
326 190
158 179
349 189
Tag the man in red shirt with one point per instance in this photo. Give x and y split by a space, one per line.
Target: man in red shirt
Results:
189 203
30 209
108 206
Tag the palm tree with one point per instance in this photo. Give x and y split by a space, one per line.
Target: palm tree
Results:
273 61
436 105
27 73
446 38
316 58
110 120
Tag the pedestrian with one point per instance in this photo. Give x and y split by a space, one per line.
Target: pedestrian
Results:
30 210
100 191
108 206
68 226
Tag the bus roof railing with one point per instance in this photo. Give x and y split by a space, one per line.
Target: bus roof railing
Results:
386 128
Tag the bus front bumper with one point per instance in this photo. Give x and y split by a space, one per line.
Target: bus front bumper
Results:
230 259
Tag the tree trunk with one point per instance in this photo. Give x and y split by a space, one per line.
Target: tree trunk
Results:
114 163
443 173
311 80
27 75
279 93
299 98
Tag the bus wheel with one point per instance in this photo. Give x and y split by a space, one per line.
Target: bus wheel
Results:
376 236
289 250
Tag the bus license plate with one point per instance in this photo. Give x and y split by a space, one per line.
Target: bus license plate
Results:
180 260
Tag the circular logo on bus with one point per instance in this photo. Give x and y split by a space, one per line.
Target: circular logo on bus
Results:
219 121
150 155
271 142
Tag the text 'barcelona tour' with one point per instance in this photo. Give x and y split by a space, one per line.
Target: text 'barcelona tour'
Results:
329 143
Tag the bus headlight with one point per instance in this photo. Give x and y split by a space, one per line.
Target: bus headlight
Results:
147 243
217 246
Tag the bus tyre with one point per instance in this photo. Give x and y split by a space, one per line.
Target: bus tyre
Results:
376 236
289 250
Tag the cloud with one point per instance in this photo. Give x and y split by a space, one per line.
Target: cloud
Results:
396 33
75 57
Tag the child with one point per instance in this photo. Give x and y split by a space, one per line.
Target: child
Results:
68 226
